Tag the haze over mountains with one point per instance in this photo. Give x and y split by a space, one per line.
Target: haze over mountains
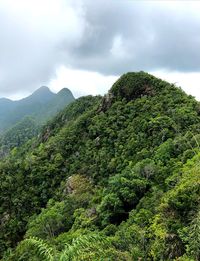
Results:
41 105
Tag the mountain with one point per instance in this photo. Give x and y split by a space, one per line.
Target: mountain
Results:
6 106
59 101
42 105
114 177
41 95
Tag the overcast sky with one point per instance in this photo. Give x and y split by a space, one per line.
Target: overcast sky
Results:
86 45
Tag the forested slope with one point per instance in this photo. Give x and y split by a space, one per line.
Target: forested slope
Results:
112 178
18 135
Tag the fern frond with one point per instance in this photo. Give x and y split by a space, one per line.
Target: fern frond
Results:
42 248
84 244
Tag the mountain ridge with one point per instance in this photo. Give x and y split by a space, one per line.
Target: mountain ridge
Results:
34 105
109 177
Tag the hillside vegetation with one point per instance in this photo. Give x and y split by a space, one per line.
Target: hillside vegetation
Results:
109 178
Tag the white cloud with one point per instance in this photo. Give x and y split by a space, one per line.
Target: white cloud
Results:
118 48
92 39
189 82
31 33
81 82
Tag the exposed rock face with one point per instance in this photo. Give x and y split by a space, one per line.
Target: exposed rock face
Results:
46 135
78 185
106 102
91 212
69 185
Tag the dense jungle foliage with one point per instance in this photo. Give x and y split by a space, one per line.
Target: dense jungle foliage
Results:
109 178
18 135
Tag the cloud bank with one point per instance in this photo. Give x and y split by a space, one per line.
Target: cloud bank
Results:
103 37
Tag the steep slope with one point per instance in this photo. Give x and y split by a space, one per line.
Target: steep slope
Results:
42 105
5 105
121 170
18 135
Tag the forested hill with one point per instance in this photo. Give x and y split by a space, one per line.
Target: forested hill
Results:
42 105
109 178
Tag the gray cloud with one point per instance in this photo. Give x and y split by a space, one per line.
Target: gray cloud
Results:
109 37
153 36
30 33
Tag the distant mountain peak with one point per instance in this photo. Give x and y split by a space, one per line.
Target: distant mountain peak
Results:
42 89
42 104
5 100
65 91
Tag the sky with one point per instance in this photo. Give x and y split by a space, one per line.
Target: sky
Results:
85 45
